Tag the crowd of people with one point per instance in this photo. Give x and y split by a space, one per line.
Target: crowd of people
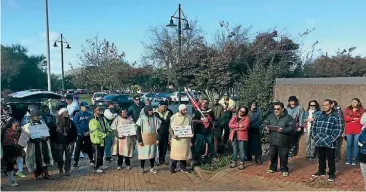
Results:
103 136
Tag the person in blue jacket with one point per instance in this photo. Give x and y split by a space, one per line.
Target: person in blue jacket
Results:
83 143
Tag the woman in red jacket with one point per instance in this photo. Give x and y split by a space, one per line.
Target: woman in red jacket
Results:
239 136
352 116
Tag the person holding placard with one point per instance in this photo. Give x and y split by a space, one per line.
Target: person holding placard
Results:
180 146
124 130
38 149
146 131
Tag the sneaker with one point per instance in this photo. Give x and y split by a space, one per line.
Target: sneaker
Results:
234 164
119 167
331 178
270 171
75 164
91 163
348 162
142 171
171 172
152 170
354 162
318 174
128 167
285 174
20 174
185 170
98 171
67 173
13 183
104 167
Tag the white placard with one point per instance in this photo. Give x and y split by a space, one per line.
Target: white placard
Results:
183 131
38 131
126 130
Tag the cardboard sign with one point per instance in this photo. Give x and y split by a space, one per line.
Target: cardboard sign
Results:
273 128
38 131
183 131
149 138
126 130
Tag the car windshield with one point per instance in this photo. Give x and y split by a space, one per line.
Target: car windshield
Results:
110 97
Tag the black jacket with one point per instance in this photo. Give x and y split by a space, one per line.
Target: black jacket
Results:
165 123
68 137
134 111
288 125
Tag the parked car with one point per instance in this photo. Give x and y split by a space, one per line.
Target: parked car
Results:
97 96
165 97
184 98
123 100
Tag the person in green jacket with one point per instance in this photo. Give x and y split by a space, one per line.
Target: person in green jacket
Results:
99 129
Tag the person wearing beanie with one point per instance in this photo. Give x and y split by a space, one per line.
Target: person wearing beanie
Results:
81 120
66 135
146 132
38 153
99 129
164 115
180 147
296 111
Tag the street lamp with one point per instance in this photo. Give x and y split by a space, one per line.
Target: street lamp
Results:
171 24
62 40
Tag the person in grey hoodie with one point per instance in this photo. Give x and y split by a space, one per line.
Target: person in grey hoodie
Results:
296 111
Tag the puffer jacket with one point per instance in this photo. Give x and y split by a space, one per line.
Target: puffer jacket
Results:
288 125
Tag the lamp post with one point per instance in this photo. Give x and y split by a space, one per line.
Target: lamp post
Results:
180 13
62 40
48 47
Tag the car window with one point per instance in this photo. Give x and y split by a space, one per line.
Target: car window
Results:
110 97
123 98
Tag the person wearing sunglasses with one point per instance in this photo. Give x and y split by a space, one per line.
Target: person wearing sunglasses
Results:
135 109
280 126
307 121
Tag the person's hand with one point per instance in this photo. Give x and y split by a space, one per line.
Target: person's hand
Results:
310 119
157 142
86 133
279 129
141 144
204 120
343 134
266 129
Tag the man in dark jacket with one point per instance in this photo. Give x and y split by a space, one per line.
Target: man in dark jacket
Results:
83 143
164 115
134 110
279 125
218 110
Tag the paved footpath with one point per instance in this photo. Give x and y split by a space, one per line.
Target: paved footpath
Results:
253 178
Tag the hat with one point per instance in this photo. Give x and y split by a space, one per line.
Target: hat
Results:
216 97
34 113
182 107
62 110
84 104
292 98
163 103
69 97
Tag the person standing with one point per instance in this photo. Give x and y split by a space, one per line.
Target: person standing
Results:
326 130
229 109
164 115
110 115
362 144
180 147
125 144
99 130
296 111
280 126
38 150
146 131
134 110
66 136
83 143
352 116
218 110
308 120
202 127
339 111
239 125
72 105
254 134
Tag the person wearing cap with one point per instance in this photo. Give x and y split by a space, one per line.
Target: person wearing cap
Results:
72 105
134 110
164 115
38 150
110 114
66 133
181 147
218 110
146 132
296 111
99 129
81 120
229 109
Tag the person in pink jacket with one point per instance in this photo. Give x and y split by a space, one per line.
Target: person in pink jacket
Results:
239 125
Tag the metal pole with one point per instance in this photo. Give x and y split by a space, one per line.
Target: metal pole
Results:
180 48
62 63
48 48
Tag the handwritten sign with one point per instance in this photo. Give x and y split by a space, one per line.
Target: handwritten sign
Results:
183 131
38 131
273 128
126 130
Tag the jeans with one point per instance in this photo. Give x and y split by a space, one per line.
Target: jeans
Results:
201 140
240 146
98 156
352 142
274 152
324 154
363 171
108 146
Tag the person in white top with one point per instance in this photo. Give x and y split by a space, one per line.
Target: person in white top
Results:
72 105
110 115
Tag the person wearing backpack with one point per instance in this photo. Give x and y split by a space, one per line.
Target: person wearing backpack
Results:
362 144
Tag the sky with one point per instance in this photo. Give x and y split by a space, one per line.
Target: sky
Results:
338 24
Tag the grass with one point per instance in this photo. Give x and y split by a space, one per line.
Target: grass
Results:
85 97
